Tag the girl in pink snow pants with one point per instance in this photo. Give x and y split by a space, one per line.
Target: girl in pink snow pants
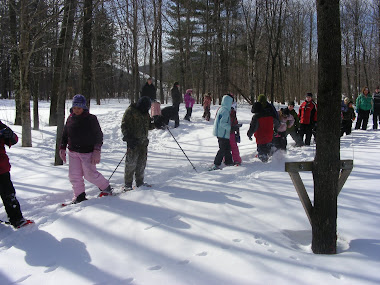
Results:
84 138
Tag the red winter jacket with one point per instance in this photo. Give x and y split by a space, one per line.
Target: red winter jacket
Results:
4 160
308 112
264 133
262 123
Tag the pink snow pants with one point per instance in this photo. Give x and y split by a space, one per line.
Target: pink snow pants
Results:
234 149
80 166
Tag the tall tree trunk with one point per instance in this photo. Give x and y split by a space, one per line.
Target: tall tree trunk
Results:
66 37
87 51
327 159
15 70
25 52
160 59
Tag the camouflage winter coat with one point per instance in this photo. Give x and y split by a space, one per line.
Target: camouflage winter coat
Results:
135 126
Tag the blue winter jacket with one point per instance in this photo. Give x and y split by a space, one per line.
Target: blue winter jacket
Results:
222 123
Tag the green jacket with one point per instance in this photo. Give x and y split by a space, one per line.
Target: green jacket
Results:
296 122
364 102
135 126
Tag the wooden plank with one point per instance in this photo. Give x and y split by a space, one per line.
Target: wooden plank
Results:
346 164
343 178
299 166
302 193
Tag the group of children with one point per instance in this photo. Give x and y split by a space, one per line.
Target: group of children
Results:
83 137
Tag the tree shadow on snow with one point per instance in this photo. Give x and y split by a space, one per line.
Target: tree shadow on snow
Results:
368 247
214 197
43 249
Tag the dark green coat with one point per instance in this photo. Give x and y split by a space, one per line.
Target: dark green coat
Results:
296 121
135 126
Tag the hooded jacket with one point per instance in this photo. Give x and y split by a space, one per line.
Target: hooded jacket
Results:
222 123
135 125
189 101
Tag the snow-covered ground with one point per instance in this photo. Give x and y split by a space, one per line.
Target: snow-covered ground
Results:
240 225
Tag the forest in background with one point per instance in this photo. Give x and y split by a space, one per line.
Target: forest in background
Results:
54 49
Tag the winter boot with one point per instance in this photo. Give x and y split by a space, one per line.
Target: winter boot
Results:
106 192
215 167
22 223
81 197
127 187
143 185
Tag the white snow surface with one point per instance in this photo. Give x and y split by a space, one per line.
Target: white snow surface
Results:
238 225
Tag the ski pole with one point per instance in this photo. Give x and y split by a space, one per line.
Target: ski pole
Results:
118 164
167 127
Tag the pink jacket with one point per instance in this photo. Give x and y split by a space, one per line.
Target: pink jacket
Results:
189 101
285 122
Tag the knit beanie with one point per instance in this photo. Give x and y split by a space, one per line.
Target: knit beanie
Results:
80 101
309 94
143 104
263 100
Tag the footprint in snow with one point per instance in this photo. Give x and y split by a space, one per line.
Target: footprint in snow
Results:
157 267
237 240
203 253
294 257
261 242
337 275
272 251
183 262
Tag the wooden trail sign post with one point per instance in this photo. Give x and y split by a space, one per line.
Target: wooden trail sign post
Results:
293 168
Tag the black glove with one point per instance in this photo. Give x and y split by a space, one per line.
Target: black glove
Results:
131 143
6 133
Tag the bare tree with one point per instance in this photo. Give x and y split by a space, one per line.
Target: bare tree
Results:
87 50
62 70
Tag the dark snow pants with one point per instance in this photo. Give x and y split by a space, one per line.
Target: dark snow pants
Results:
8 195
135 164
362 120
376 118
189 111
346 127
306 129
264 151
223 152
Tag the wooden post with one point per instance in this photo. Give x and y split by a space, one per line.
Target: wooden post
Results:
293 168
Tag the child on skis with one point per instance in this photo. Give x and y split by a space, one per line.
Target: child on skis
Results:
189 102
206 106
235 135
84 138
286 121
222 130
7 191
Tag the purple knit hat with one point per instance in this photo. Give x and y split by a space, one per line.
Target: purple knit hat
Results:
80 101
